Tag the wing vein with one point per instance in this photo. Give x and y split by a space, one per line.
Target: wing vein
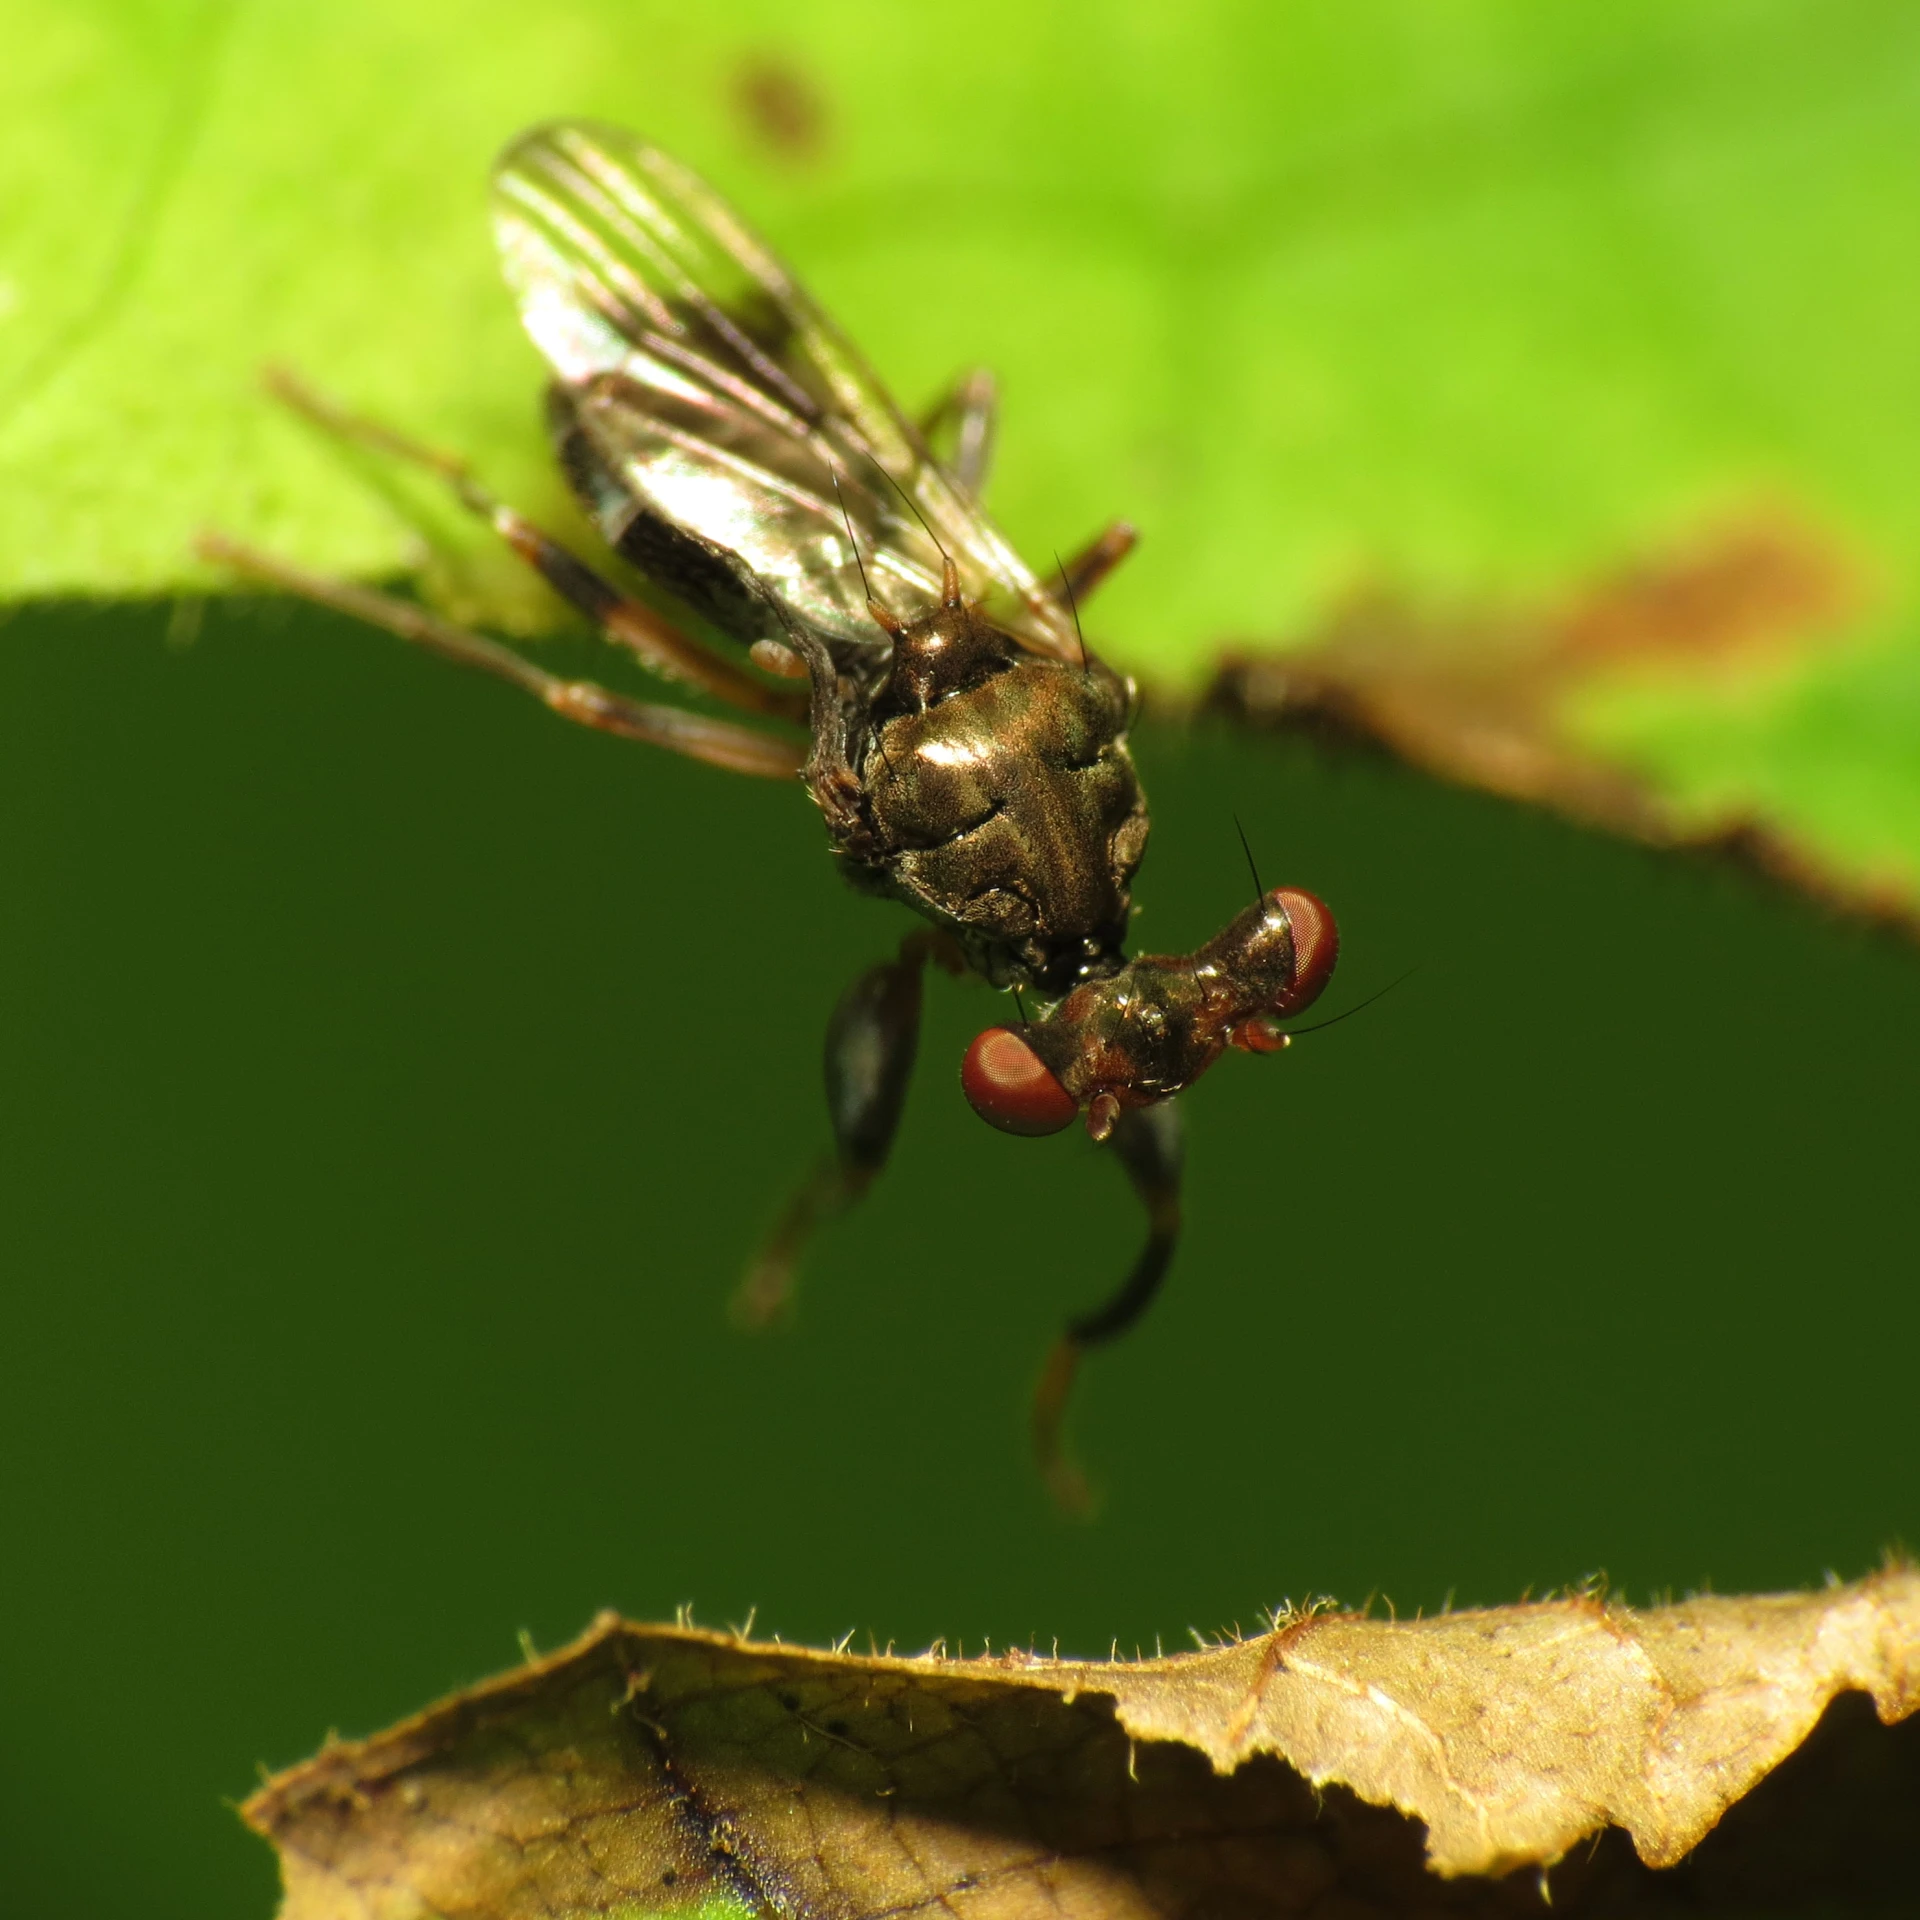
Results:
715 397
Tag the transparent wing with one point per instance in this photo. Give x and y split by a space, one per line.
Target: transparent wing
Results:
725 403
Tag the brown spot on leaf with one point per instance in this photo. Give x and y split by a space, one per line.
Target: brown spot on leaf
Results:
1482 697
1286 1775
780 107
1761 581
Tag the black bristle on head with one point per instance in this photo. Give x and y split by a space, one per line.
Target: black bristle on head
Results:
1259 892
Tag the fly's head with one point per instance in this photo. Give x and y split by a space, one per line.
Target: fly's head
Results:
1154 1026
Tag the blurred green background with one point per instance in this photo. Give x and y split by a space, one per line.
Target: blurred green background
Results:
393 1081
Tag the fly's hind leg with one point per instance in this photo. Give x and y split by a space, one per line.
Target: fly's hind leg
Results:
1098 558
959 427
655 641
871 1041
720 743
1148 1141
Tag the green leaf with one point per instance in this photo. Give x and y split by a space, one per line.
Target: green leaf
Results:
1478 304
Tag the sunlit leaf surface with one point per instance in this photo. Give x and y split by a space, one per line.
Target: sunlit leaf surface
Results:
1469 313
665 1770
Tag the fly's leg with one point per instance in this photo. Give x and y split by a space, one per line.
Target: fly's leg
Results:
1147 1139
1096 560
871 1041
653 640
720 743
959 426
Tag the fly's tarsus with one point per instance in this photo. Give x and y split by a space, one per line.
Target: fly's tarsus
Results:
719 743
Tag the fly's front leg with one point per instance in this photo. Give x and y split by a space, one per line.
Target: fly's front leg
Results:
831 776
720 743
871 1042
655 641
1148 1141
959 426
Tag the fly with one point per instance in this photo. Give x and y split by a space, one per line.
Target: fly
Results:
965 747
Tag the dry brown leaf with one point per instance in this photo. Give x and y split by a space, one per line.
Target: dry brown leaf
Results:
668 1770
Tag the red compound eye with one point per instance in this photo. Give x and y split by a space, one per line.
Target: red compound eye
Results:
1009 1088
1316 946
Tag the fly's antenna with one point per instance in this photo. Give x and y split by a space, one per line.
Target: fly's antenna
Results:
1259 892
1381 993
881 615
846 520
950 574
1073 605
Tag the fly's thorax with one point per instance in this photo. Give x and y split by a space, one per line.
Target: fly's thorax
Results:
1003 802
